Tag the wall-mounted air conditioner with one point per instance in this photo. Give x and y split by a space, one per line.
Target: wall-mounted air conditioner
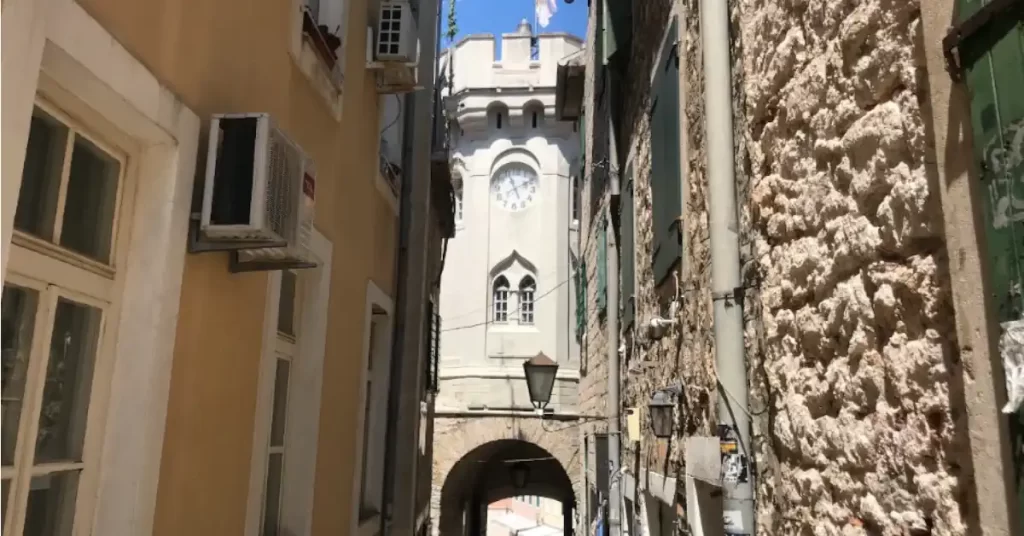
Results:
393 48
259 194
396 33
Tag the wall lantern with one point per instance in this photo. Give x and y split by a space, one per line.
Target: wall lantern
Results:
520 473
540 379
661 408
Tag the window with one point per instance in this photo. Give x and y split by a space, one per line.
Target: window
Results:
457 186
500 303
666 169
57 298
576 199
533 119
602 266
497 120
286 349
627 249
376 377
581 300
527 290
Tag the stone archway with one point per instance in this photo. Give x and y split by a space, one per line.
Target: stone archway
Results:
472 457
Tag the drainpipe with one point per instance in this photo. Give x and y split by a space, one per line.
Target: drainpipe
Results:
733 420
403 411
614 429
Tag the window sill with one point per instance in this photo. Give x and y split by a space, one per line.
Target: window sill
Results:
322 69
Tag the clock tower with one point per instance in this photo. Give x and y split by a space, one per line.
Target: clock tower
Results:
507 289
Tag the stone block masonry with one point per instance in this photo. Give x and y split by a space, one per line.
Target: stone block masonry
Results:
855 366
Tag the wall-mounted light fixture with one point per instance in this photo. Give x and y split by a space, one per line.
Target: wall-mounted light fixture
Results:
520 473
540 379
661 408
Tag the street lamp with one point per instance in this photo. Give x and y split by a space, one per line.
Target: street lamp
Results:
520 473
660 407
540 379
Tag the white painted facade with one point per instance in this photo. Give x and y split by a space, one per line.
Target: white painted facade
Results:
521 230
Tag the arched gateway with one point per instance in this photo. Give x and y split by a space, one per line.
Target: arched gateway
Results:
480 460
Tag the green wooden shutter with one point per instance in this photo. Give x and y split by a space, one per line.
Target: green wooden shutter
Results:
626 249
581 300
602 267
617 34
993 60
666 166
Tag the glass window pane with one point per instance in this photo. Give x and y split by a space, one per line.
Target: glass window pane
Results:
40 178
51 504
277 422
19 312
92 195
286 301
272 498
76 330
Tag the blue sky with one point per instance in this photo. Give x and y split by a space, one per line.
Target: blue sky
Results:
501 16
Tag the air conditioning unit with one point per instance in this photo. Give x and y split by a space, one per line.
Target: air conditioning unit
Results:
396 34
258 198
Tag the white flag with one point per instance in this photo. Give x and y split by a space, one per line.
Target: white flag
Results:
545 9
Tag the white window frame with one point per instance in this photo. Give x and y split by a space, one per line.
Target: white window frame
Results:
66 55
379 311
54 272
527 317
459 187
500 300
305 386
328 82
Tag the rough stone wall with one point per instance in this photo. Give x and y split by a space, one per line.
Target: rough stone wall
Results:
857 358
593 392
684 355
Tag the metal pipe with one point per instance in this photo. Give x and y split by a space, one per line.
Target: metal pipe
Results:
411 292
733 421
614 486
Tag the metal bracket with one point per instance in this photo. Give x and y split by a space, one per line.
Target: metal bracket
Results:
733 297
967 29
197 244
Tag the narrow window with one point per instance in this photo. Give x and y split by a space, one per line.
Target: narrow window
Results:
501 300
527 290
457 186
534 119
575 199
498 118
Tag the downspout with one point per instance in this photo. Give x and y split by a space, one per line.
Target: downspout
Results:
411 155
614 428
726 285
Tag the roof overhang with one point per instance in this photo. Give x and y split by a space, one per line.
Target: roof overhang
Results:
569 91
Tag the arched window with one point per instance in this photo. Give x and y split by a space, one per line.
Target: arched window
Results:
527 291
534 120
500 301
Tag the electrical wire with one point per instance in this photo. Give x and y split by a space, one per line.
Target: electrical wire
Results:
516 310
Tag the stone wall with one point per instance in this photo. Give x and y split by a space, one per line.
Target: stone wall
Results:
859 360
854 364
457 437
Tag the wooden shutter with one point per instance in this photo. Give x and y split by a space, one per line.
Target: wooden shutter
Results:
581 300
665 160
602 266
617 35
993 60
626 249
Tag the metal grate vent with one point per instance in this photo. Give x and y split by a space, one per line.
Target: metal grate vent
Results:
284 172
390 38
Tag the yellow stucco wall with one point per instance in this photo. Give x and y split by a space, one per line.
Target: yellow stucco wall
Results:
233 56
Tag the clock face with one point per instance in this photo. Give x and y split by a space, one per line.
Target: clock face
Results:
515 187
